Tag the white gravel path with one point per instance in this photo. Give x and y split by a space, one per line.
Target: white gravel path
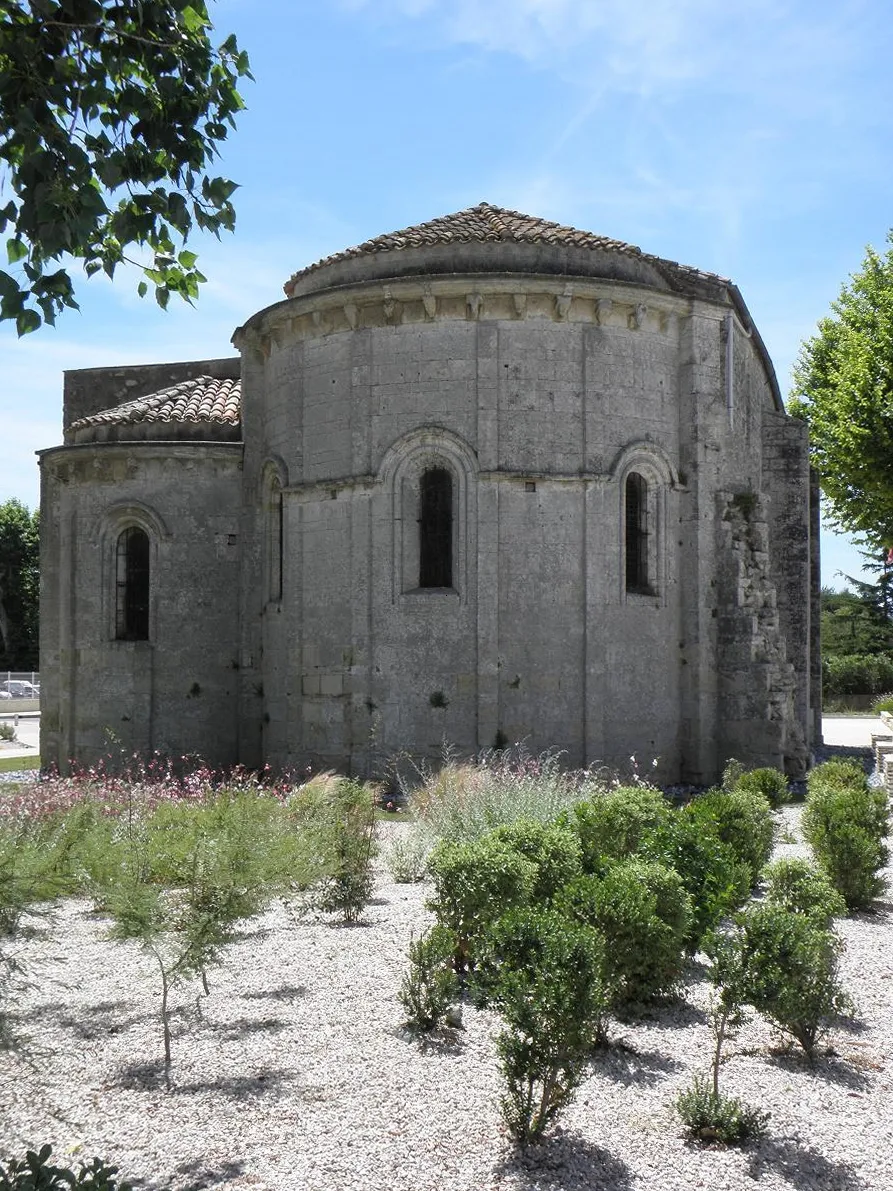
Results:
299 1075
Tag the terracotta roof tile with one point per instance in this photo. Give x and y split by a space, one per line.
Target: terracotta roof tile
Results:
486 223
202 399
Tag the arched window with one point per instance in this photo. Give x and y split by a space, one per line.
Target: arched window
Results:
436 528
132 585
636 518
276 541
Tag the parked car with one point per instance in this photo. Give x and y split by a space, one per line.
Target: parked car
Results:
18 688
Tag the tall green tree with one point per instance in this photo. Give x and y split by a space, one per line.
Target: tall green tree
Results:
19 587
843 387
111 112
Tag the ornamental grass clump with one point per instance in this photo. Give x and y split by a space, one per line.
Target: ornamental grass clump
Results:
847 822
710 1116
462 802
543 973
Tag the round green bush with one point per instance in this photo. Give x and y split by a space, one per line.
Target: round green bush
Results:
474 885
716 881
612 826
643 912
846 822
552 847
743 820
771 783
797 885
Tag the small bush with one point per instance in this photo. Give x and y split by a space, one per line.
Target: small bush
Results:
716 881
407 858
710 1116
612 825
543 973
771 783
431 986
797 885
883 703
643 913
35 1173
7 731
846 823
349 841
790 972
474 885
743 820
553 848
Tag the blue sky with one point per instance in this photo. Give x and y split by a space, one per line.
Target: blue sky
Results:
751 140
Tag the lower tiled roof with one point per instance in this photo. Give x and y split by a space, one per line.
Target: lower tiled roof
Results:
202 399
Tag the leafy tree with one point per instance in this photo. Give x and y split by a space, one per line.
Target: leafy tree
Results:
843 387
856 622
19 586
110 113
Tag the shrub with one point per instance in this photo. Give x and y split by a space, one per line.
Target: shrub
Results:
553 848
460 803
474 885
643 913
612 825
348 846
883 702
790 972
431 986
846 822
771 783
407 858
716 881
856 674
797 885
35 1173
543 972
743 820
710 1116
7 731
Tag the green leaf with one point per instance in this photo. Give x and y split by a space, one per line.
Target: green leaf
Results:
16 250
27 321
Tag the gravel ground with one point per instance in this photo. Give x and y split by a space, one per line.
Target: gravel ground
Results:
297 1072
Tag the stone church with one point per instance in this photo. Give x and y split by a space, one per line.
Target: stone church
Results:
485 480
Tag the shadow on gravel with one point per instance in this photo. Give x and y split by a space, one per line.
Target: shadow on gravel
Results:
832 1070
670 1015
251 1025
194 1176
564 1162
285 992
802 1167
238 1087
99 1019
628 1066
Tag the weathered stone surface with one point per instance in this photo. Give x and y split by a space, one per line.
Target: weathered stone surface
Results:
539 368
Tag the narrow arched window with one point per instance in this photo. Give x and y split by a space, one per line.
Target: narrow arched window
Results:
637 578
436 528
276 541
132 585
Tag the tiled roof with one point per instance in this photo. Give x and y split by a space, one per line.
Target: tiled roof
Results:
484 223
202 399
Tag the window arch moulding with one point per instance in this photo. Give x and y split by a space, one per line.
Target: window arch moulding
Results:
129 539
274 482
643 477
420 473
